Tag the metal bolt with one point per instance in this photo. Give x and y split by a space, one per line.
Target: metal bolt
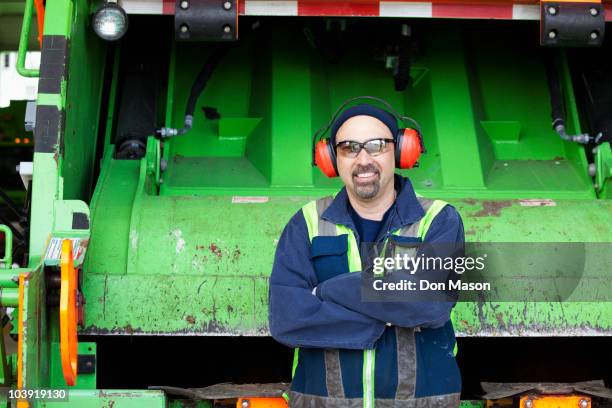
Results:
227 28
557 162
594 35
184 28
184 4
505 164
552 34
428 183
227 5
594 12
245 403
583 403
528 403
552 10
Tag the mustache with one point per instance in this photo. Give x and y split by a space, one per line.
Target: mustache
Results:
370 168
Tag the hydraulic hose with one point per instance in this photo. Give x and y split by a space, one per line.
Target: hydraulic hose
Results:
196 89
557 111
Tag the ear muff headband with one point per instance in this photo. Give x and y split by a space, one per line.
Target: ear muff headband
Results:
322 130
409 144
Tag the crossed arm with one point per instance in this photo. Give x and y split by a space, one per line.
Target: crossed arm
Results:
337 317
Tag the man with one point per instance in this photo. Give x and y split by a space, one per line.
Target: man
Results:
351 352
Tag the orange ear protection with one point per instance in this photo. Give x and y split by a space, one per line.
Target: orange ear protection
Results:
408 141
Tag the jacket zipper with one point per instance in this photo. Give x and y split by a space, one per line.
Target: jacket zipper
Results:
369 363
369 356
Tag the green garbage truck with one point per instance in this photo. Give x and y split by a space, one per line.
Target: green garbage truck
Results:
173 140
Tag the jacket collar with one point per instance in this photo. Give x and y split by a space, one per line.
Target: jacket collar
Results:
407 208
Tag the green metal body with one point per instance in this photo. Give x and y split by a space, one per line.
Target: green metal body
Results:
188 250
205 255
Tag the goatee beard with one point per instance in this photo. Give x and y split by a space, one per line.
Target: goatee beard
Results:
369 190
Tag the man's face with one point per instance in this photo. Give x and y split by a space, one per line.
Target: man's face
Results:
366 176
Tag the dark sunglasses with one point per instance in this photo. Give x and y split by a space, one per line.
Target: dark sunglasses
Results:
351 149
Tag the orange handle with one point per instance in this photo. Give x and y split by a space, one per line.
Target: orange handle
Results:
68 314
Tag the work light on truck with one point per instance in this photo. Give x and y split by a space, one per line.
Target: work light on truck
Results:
110 21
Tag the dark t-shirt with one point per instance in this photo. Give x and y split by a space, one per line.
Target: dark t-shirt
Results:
367 229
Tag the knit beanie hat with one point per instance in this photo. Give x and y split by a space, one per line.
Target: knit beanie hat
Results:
364 109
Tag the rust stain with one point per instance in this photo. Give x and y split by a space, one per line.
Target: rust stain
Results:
236 255
478 229
190 319
93 329
199 247
215 249
500 319
206 327
469 201
492 208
